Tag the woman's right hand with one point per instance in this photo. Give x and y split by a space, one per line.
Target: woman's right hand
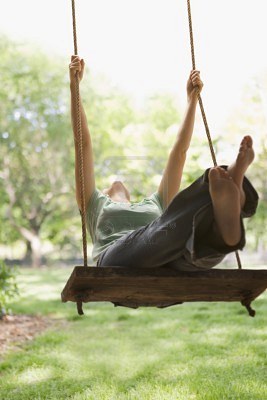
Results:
76 65
194 85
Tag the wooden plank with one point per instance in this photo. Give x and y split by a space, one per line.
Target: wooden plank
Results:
162 286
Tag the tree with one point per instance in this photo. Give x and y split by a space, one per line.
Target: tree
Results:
35 142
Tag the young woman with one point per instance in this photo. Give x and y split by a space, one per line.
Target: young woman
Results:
189 230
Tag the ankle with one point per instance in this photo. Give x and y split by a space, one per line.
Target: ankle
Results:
232 241
232 236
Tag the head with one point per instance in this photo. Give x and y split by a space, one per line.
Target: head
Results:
118 192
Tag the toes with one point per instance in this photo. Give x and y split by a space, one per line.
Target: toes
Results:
246 142
223 173
218 173
249 141
214 173
243 144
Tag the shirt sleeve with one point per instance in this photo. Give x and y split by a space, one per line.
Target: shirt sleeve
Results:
95 205
155 197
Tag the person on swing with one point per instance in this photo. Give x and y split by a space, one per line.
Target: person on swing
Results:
191 229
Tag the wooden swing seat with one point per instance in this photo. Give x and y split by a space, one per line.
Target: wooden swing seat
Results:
162 287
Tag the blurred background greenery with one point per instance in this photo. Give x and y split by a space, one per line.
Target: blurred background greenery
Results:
40 223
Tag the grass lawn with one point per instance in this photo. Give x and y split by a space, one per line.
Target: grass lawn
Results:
193 351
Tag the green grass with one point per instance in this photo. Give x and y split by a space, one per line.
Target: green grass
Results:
211 351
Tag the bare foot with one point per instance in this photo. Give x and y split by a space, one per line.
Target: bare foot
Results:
225 195
238 169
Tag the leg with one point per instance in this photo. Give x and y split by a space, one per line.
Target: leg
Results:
238 169
227 194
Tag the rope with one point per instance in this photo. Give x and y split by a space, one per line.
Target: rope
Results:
80 142
199 97
201 105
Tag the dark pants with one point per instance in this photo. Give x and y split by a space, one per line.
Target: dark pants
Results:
184 236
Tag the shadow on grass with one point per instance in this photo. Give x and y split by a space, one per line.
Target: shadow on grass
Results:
203 379
143 355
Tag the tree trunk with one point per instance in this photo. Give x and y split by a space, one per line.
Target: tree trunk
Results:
28 253
36 252
33 253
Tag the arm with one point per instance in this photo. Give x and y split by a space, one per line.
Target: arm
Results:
88 164
172 176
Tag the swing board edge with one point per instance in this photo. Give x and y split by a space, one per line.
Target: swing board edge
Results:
157 286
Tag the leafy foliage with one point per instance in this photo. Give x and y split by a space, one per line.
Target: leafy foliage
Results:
35 142
8 287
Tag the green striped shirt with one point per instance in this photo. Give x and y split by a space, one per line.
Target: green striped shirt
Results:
108 221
